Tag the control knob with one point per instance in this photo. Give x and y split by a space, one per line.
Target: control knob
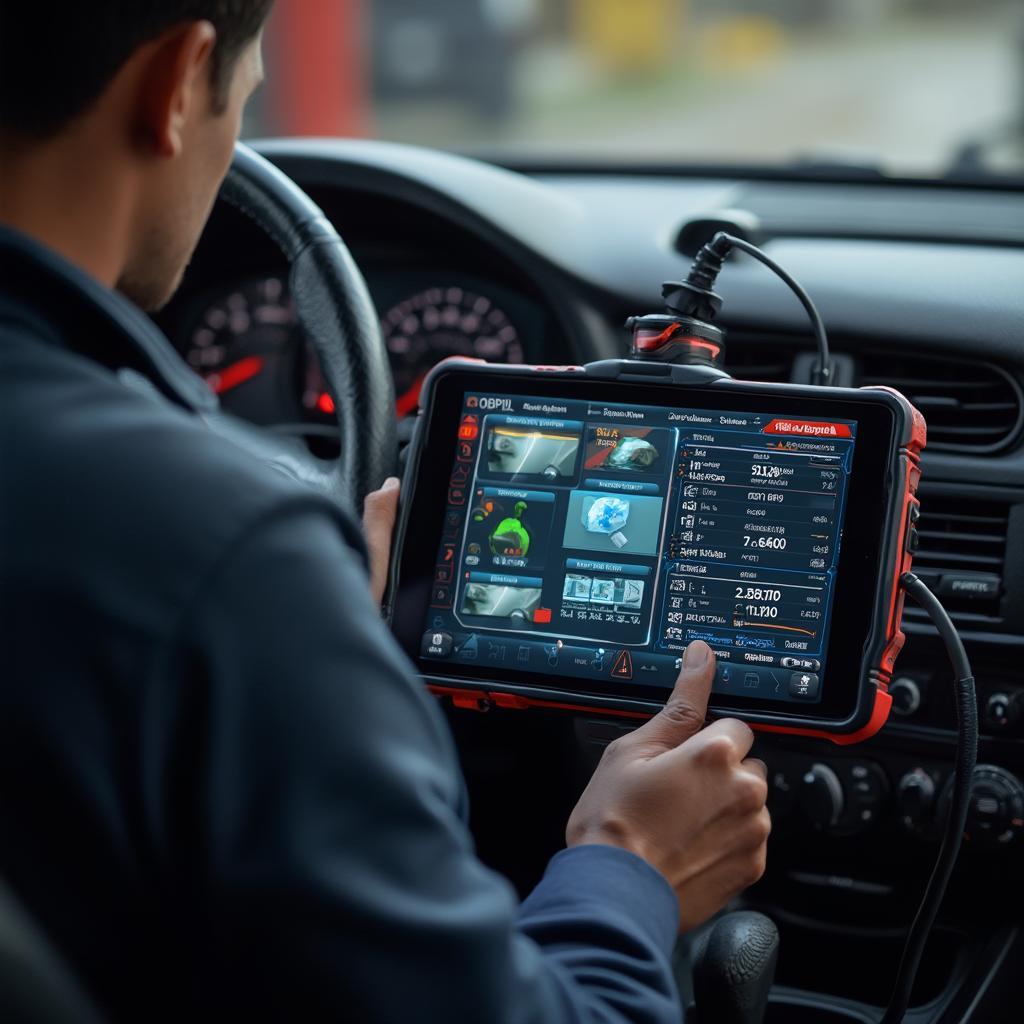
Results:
996 812
906 696
821 795
915 798
1002 710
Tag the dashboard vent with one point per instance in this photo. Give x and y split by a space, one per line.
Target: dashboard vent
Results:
962 536
970 407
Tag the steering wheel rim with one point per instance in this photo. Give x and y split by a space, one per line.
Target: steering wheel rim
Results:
337 315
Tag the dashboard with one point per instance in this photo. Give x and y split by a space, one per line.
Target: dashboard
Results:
438 293
922 288
243 339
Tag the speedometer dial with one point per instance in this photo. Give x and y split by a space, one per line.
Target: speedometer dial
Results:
441 322
241 344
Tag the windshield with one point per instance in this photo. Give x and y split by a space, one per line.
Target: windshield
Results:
914 88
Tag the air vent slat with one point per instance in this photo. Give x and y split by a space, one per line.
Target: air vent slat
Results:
963 431
953 558
965 518
976 538
964 618
990 407
926 402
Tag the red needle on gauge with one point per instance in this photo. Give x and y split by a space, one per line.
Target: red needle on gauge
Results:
235 374
407 403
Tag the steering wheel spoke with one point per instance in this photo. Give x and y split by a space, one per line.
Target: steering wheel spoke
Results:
333 305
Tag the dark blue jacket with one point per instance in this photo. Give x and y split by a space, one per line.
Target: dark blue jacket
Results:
223 790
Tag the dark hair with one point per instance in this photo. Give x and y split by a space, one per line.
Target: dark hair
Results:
56 59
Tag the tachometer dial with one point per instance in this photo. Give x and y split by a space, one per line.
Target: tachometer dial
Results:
441 322
241 346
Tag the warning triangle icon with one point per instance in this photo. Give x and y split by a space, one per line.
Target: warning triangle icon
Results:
623 667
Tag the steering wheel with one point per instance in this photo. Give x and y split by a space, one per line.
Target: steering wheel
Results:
337 316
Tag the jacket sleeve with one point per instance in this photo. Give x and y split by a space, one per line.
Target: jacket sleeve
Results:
320 845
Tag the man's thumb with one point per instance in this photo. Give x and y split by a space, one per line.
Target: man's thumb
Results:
684 711
379 512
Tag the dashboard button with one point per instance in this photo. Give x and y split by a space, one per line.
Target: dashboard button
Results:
821 796
1002 711
803 685
437 643
906 696
623 667
804 664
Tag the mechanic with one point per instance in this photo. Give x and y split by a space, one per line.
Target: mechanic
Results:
223 790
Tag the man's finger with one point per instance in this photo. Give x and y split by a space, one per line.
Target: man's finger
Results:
684 711
756 766
379 513
739 735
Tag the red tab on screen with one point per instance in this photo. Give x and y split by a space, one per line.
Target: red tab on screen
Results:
808 428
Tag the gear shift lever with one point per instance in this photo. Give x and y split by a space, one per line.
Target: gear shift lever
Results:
734 968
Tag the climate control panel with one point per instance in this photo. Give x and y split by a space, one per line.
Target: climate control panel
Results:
848 795
842 796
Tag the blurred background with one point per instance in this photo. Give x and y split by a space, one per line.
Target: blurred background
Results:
916 88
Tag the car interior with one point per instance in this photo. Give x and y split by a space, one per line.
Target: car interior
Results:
920 285
523 256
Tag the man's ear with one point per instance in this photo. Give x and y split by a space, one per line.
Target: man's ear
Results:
176 84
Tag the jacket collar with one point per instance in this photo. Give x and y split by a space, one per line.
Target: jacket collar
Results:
65 306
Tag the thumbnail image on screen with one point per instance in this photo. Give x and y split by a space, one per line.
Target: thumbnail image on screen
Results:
613 523
527 452
617 592
625 449
509 528
500 601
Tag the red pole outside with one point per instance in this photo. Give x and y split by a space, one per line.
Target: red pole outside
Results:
318 69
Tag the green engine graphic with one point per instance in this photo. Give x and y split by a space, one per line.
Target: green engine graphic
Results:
510 535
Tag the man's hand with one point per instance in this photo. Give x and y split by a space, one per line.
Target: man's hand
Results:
685 799
379 512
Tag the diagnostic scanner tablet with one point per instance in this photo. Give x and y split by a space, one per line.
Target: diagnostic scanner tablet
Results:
565 533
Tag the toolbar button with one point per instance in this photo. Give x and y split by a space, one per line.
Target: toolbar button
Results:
623 667
452 523
804 664
437 644
803 685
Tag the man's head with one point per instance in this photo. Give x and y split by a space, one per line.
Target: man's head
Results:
145 97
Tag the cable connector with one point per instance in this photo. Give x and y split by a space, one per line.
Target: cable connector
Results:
695 297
